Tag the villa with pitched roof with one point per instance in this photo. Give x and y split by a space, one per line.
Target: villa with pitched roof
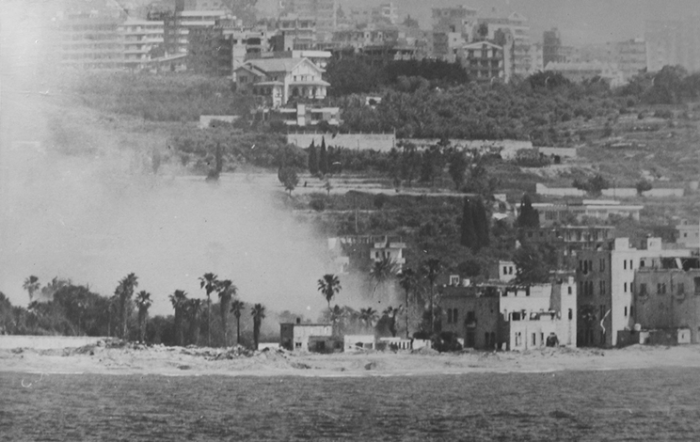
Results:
279 79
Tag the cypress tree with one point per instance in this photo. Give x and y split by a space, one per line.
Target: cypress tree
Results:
323 158
528 217
481 224
468 231
313 159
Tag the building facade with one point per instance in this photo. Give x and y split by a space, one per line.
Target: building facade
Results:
485 61
688 234
605 279
299 337
277 80
565 213
667 295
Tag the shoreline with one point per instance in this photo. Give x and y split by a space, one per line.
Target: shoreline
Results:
178 362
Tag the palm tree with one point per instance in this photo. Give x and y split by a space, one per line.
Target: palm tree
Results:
125 291
226 291
31 285
258 313
336 315
237 307
407 281
193 307
143 302
369 317
208 282
391 313
179 300
382 272
329 286
431 270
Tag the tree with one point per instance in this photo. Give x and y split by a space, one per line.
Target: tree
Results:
382 272
329 286
368 316
431 269
481 224
410 163
391 312
313 159
323 158
179 300
528 216
209 283
532 267
408 282
237 306
143 302
31 285
290 179
457 168
258 313
193 308
124 293
643 186
226 291
468 230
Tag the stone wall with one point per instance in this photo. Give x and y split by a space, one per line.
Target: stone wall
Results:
380 142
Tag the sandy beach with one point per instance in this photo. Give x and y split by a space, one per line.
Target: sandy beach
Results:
106 358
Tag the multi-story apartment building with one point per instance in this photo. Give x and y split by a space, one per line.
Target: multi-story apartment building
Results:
667 295
177 27
551 47
452 28
629 56
295 32
385 13
569 240
516 25
91 39
324 14
485 61
511 317
673 42
143 42
605 279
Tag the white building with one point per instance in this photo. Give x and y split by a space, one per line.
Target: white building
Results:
279 79
296 336
141 39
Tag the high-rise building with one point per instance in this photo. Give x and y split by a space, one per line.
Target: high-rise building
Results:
452 27
143 41
515 24
323 12
551 47
673 42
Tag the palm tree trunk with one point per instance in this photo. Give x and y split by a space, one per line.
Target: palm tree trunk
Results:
208 320
432 313
407 335
238 331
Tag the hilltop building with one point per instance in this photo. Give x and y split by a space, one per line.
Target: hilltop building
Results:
361 252
519 53
605 279
276 80
578 72
324 13
565 213
569 240
452 27
295 32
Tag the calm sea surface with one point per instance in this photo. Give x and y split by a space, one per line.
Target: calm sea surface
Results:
639 405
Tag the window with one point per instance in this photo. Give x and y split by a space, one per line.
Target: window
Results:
449 315
569 290
624 264
624 288
571 314
602 265
631 311
631 265
642 289
625 311
297 345
518 339
470 316
681 288
534 339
